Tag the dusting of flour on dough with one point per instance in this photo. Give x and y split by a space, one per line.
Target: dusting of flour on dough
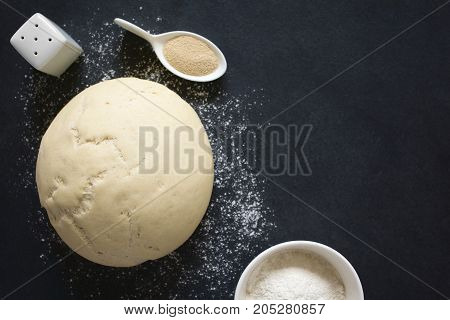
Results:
237 224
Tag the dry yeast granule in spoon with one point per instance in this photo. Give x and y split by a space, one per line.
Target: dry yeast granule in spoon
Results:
190 56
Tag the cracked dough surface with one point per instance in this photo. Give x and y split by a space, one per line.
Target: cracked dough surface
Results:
89 181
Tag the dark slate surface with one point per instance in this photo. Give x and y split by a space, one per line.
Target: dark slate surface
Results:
379 149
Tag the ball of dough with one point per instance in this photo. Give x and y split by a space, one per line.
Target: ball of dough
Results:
111 201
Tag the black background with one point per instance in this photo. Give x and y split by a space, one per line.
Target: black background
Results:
379 150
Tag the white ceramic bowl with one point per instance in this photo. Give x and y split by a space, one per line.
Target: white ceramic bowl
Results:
353 287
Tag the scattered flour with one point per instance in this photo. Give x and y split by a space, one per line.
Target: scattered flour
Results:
237 224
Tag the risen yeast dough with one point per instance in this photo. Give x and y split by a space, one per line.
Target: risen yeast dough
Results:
109 202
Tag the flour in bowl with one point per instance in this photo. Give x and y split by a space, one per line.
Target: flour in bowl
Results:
295 275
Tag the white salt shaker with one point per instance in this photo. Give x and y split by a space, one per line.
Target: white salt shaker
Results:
45 45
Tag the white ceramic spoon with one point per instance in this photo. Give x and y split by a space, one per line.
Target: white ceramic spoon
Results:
158 41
